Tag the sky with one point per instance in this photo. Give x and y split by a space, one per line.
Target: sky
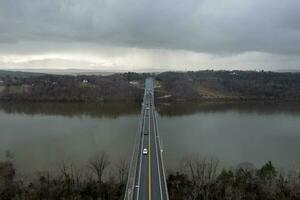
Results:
144 35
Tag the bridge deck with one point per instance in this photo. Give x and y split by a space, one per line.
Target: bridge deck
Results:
147 181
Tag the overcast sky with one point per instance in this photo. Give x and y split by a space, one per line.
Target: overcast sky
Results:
142 35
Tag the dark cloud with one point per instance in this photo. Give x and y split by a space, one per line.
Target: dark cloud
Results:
224 30
199 25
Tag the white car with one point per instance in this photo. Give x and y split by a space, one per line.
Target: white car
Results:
145 151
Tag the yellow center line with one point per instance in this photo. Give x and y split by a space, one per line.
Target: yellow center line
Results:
149 160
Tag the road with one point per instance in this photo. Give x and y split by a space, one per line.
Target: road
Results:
149 175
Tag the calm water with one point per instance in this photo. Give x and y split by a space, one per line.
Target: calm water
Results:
44 136
232 133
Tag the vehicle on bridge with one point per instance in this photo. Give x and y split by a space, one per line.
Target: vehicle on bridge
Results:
146 179
145 151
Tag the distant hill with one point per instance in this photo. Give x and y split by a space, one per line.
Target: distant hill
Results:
69 71
19 74
289 70
82 71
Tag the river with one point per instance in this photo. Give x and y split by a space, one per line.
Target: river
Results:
45 136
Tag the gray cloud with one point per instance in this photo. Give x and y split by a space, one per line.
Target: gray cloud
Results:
213 27
200 25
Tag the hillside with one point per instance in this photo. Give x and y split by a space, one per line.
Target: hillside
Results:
169 86
19 74
230 85
68 88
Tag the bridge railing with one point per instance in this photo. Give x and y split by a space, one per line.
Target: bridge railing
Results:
161 159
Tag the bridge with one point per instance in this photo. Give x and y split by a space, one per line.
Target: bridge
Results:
146 178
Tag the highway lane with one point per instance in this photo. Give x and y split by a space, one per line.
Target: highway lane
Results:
160 164
148 175
140 169
144 177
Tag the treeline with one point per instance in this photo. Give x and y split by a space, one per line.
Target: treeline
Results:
197 179
204 179
68 184
69 88
231 85
170 86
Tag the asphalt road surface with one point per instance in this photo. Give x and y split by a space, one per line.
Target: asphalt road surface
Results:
150 181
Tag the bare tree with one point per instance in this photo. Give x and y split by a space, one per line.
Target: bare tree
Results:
122 171
98 164
70 175
7 170
201 169
203 172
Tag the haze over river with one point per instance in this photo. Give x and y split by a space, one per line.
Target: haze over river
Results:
43 136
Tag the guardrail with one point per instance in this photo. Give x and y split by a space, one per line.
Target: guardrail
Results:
161 159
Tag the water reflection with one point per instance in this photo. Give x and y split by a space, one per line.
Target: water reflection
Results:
72 109
184 108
